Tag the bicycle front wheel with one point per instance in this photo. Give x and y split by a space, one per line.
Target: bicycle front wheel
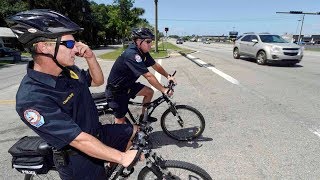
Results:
176 170
182 122
51 175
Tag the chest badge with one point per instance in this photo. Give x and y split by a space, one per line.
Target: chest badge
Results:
33 117
137 58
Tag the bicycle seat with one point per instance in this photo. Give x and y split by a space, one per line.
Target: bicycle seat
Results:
44 148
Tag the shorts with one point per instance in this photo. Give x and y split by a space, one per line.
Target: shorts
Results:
119 102
84 167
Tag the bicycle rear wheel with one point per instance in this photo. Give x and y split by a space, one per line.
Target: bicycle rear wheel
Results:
182 122
176 169
51 175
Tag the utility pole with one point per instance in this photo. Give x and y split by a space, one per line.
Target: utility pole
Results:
299 38
300 12
156 24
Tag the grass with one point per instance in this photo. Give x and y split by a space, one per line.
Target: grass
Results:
164 50
112 56
3 63
313 49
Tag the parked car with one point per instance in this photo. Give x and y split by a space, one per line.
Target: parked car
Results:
267 48
179 41
10 54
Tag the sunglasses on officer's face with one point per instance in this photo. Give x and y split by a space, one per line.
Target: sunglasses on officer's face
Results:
148 41
68 43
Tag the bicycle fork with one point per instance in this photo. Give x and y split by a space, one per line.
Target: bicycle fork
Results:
156 163
174 111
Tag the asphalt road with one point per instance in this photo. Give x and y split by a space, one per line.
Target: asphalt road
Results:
262 121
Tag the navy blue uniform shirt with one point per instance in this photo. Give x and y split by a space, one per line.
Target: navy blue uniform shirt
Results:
59 108
129 66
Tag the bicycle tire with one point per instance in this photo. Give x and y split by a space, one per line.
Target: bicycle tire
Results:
177 169
194 123
51 175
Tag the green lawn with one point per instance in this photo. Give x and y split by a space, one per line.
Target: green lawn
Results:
3 63
164 49
313 49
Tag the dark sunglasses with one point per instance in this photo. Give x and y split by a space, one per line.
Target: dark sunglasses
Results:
148 41
68 43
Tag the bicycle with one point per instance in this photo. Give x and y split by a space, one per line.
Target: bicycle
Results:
156 167
180 122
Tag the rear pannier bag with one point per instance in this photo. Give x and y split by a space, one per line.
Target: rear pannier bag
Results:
27 157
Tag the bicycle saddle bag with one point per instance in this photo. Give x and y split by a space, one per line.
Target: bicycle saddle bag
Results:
31 155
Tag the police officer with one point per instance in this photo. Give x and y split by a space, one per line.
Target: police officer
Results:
54 98
128 67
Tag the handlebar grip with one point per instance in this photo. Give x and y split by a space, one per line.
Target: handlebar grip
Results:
135 160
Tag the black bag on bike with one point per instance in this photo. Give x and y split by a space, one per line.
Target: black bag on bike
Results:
31 155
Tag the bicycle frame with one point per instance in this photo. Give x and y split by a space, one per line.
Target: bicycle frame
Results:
151 106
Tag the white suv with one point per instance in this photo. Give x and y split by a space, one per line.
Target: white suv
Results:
267 48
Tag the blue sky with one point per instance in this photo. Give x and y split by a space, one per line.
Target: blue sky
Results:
217 17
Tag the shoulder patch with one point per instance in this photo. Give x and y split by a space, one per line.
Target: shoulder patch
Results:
137 58
33 117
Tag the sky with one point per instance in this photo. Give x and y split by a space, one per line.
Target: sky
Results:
219 17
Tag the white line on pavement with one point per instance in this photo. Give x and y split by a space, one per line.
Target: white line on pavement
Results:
316 132
225 76
215 70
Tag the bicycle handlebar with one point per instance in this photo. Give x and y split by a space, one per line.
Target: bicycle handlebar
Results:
171 83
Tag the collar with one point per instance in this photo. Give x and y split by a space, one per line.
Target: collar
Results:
41 77
135 47
47 79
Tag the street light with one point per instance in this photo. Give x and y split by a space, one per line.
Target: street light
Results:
300 12
299 38
298 26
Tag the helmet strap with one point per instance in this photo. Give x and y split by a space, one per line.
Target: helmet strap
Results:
135 42
65 70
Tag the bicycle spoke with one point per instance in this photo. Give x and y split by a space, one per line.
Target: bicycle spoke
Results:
184 124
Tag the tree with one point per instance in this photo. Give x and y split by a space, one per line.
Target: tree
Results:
10 7
124 17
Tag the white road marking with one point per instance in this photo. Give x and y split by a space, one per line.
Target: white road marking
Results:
215 70
157 75
316 132
225 76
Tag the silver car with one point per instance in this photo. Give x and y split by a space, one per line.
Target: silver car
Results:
267 48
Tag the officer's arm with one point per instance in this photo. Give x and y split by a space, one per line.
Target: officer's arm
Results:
160 70
95 72
95 148
154 82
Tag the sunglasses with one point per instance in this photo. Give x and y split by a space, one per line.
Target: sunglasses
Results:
68 43
148 41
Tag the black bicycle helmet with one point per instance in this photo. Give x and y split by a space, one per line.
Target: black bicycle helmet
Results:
142 33
40 24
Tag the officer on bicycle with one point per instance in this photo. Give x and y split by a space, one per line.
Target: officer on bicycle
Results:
128 67
55 102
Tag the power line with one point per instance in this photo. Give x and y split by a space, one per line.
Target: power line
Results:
227 20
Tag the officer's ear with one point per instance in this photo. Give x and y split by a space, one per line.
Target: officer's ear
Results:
44 47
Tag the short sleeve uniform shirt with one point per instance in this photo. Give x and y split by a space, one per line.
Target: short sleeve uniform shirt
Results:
129 66
57 108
